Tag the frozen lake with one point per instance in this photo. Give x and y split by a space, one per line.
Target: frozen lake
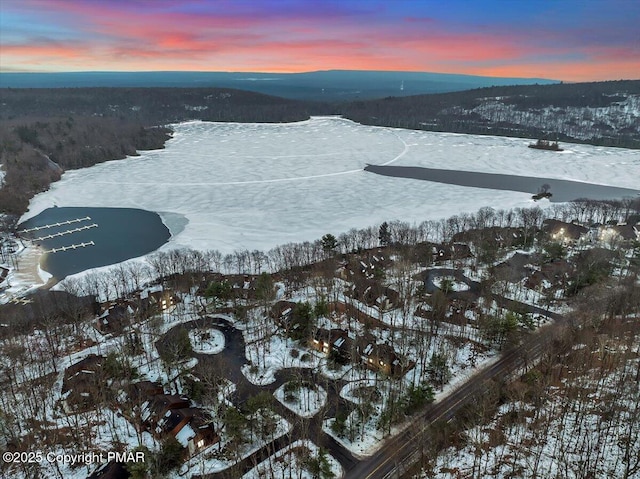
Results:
254 186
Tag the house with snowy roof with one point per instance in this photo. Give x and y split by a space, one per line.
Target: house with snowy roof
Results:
199 433
333 342
621 232
115 317
563 232
172 415
382 357
156 299
83 384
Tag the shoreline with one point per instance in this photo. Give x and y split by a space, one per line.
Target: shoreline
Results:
28 276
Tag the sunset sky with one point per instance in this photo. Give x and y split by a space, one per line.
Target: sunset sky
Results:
571 40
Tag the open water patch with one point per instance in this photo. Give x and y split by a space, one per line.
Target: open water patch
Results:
561 190
74 239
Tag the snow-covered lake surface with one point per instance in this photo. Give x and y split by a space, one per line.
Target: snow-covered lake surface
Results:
254 186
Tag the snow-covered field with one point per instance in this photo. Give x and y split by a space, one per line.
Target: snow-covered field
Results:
255 186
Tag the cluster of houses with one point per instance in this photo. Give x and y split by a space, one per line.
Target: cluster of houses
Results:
171 415
364 274
341 347
163 415
374 294
365 266
377 357
115 316
569 233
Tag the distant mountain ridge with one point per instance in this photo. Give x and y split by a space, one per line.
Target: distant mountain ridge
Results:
327 85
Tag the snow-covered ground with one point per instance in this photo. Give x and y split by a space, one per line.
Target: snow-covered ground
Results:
450 283
576 121
28 275
211 460
255 186
593 434
267 356
366 438
302 400
291 462
519 292
207 341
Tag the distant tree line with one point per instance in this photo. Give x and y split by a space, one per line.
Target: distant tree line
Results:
475 112
153 106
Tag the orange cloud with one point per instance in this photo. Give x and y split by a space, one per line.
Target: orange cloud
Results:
574 72
136 36
42 51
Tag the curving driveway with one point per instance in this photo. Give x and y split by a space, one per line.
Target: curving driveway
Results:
311 428
233 357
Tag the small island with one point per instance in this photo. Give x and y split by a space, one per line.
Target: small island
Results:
539 196
546 145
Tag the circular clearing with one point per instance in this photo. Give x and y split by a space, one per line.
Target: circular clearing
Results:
207 341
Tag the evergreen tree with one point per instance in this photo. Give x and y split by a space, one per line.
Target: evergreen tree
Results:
329 243
384 235
219 292
264 287
438 369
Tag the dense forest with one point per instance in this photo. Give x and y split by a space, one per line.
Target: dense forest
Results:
327 85
602 113
591 284
573 415
152 106
46 131
36 153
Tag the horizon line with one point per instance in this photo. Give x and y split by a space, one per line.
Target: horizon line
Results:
266 72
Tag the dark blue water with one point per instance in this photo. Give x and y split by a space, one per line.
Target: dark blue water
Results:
120 234
562 190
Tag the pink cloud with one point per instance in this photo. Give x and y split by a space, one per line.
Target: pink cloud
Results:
577 72
132 38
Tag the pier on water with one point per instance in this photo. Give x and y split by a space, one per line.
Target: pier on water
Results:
60 249
67 232
70 247
54 225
